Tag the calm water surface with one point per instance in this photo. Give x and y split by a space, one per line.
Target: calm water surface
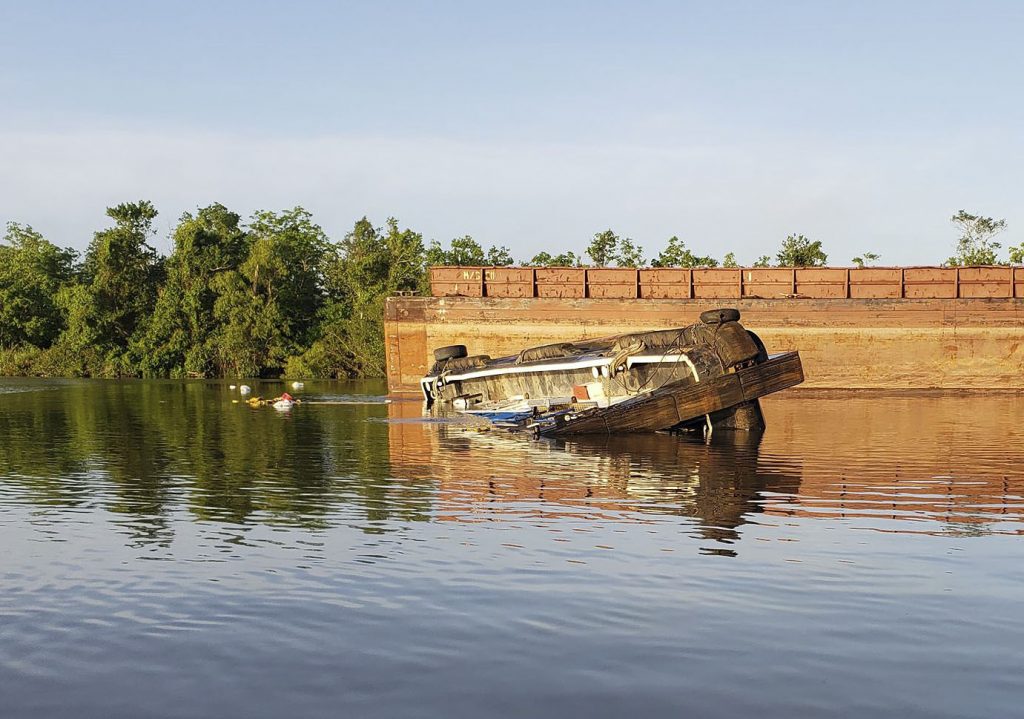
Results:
167 553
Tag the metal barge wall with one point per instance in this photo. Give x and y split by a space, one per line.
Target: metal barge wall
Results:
880 328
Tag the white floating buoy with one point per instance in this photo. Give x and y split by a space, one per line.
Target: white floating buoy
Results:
245 389
297 385
283 405
231 386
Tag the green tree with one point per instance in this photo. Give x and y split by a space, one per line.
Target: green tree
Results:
677 254
467 252
729 260
270 308
975 245
463 251
565 259
1017 254
763 261
32 273
603 248
78 351
800 251
630 254
866 258
122 272
499 256
179 340
370 264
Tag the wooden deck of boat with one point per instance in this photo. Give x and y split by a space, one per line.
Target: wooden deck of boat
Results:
669 407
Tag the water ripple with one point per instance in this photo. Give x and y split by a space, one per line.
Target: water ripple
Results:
169 553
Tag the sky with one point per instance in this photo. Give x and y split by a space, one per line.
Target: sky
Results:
532 125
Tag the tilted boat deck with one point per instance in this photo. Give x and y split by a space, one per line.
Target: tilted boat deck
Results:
712 372
675 405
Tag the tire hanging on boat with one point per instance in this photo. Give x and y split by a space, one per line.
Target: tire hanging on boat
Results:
450 352
720 316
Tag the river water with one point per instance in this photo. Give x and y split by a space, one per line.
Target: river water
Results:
169 553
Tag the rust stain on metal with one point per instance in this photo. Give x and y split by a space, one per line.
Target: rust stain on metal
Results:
966 342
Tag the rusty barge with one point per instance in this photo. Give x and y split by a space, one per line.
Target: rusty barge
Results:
709 374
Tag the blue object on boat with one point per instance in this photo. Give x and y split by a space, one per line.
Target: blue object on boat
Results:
503 417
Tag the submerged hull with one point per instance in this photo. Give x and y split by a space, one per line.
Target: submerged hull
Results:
711 372
728 400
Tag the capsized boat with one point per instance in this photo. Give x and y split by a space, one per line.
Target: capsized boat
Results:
709 374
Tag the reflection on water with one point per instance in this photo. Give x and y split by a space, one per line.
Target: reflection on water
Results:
714 486
928 463
171 553
146 450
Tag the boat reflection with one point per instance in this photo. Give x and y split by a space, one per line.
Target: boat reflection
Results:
144 456
717 485
895 464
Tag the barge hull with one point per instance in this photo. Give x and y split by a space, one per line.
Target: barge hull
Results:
953 343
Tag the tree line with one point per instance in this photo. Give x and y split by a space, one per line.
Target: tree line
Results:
268 297
273 295
975 246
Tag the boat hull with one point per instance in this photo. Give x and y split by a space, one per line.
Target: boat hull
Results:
675 406
711 372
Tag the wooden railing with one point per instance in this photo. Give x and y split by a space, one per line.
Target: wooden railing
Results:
730 283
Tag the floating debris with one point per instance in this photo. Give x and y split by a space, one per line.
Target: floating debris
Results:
284 402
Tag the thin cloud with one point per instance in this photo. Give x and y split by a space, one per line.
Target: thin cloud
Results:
893 198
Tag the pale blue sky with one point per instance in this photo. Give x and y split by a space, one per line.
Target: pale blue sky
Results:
533 125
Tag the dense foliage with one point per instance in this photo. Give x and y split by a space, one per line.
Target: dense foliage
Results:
274 296
800 251
677 254
975 245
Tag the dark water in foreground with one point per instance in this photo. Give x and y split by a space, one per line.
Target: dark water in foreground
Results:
166 553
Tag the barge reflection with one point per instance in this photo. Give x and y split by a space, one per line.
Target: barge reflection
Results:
926 463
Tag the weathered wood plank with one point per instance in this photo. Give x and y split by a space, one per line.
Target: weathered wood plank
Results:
776 374
661 410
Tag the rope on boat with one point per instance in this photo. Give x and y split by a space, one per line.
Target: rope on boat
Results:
708 427
639 346
623 355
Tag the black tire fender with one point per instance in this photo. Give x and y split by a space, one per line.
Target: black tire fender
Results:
450 352
720 316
